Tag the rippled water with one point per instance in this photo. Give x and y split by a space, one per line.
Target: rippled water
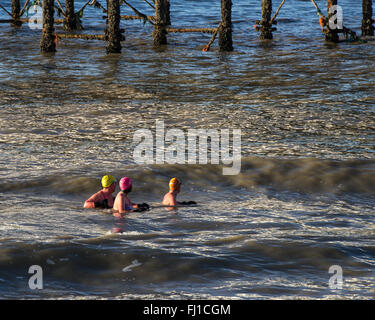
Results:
304 199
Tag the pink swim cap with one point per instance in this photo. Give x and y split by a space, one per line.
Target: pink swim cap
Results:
125 183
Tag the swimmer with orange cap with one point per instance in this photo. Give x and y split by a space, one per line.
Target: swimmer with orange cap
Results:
103 199
170 198
122 202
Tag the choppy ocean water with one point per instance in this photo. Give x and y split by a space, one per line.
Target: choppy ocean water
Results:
303 201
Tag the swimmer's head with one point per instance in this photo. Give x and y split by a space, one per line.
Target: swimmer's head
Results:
125 184
107 181
174 184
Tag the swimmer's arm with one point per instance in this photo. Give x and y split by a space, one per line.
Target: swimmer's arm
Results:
173 203
120 213
186 203
122 209
90 203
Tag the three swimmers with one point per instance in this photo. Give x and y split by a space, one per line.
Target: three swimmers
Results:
122 204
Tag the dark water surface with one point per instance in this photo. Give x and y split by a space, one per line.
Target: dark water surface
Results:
303 201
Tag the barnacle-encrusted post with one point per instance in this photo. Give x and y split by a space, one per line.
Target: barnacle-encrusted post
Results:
266 30
113 32
225 32
160 34
16 9
48 41
167 12
367 21
70 22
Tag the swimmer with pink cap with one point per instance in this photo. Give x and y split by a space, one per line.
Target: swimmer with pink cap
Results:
122 202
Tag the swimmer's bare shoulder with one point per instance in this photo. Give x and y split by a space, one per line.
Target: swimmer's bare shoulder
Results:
118 202
169 199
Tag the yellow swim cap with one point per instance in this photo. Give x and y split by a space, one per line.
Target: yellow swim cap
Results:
174 183
107 181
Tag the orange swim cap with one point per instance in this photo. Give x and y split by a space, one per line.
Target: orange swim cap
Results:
174 183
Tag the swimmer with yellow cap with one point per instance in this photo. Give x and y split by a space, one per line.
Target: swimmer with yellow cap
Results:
170 198
103 199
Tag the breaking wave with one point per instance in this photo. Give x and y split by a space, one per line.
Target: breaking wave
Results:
297 175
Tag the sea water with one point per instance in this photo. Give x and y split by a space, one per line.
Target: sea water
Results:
304 198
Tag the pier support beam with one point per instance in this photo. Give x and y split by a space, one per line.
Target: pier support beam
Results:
167 12
113 32
16 9
161 16
332 34
225 29
266 30
48 44
70 22
367 21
